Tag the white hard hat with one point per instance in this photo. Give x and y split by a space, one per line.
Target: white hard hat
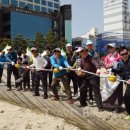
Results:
57 49
111 45
68 44
89 43
79 49
33 49
8 47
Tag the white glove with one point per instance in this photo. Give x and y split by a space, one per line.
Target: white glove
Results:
12 63
60 68
79 69
69 67
28 67
98 71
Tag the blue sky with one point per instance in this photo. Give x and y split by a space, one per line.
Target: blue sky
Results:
85 15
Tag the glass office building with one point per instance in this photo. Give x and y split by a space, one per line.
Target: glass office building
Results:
35 5
26 17
16 21
27 25
66 23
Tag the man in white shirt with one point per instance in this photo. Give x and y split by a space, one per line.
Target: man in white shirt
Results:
39 64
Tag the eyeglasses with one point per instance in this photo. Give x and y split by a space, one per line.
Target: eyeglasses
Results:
124 54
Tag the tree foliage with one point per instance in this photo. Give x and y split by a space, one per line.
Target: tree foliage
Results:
62 43
51 39
4 41
39 41
20 43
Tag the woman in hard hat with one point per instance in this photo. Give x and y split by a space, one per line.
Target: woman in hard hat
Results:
114 97
112 57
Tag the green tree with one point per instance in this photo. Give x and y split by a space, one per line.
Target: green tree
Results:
4 41
51 39
39 41
19 43
62 43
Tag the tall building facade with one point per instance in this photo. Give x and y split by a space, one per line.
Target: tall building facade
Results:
66 22
26 17
116 17
35 5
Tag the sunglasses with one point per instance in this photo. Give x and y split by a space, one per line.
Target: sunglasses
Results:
124 54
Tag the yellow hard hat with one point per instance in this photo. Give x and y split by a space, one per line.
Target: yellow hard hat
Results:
17 65
112 78
55 70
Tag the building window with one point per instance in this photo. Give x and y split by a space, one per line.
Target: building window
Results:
56 5
43 9
56 0
22 4
30 6
14 3
43 2
37 8
30 0
50 10
37 1
50 4
6 2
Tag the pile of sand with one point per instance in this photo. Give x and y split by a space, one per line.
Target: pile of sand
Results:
17 118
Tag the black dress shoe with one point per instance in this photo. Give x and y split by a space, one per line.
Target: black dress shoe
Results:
9 89
117 110
83 105
101 109
36 95
45 96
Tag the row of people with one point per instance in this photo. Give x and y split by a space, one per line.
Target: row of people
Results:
88 61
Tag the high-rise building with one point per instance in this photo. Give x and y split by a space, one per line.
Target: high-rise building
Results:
66 22
116 17
19 21
26 17
35 5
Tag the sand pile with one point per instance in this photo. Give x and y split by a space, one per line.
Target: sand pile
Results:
17 118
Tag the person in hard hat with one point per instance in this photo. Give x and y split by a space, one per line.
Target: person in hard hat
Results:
23 73
11 57
58 61
88 63
47 56
26 61
39 64
115 96
95 55
91 51
33 71
71 58
123 69
20 72
112 57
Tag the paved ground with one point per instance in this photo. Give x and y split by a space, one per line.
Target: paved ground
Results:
86 118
